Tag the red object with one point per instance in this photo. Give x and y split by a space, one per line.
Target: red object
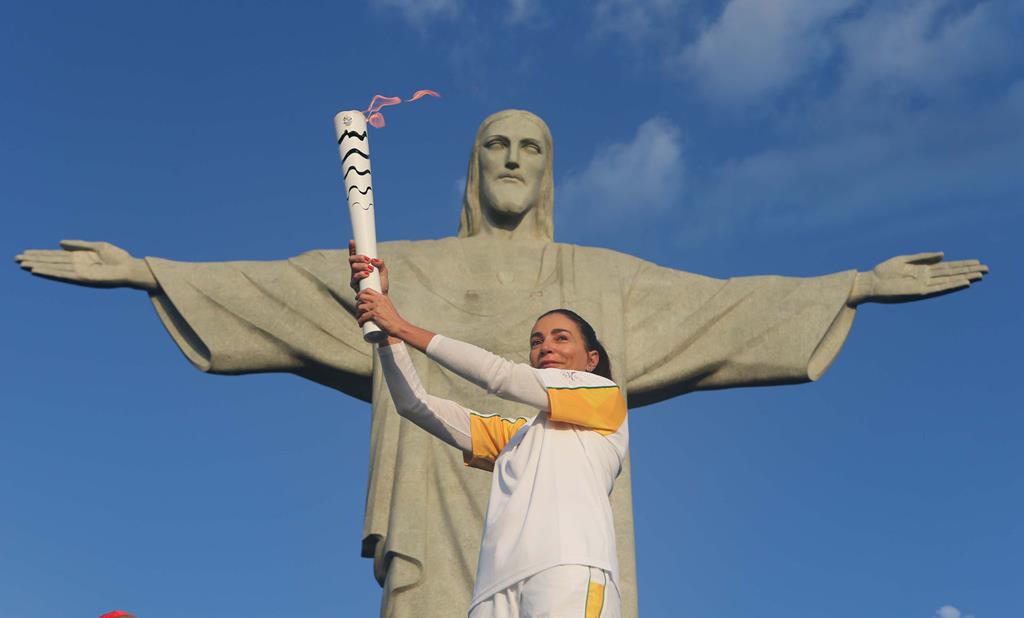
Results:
422 93
117 613
379 102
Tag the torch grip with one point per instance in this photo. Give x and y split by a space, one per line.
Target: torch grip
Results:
365 232
354 150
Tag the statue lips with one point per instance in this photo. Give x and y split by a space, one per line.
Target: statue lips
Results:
512 177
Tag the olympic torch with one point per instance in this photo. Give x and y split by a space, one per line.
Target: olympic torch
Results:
354 150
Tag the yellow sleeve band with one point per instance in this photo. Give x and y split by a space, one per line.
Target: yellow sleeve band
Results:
599 408
490 434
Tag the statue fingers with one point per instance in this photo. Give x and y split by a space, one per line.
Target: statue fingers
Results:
958 264
35 264
946 271
81 245
38 253
928 257
948 284
49 257
52 271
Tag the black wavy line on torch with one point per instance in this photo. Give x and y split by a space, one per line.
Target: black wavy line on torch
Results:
354 150
359 136
352 168
368 189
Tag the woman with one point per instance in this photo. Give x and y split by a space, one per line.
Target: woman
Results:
549 542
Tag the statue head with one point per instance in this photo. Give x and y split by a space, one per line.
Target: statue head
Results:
510 181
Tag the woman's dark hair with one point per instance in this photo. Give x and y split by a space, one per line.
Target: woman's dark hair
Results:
590 341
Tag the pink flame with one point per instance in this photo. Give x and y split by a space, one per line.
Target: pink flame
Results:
376 118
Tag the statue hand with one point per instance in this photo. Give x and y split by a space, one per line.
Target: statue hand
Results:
907 278
92 264
362 266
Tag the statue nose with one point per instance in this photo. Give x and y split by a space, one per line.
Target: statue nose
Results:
512 160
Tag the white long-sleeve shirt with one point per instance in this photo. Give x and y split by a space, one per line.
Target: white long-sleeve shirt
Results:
552 474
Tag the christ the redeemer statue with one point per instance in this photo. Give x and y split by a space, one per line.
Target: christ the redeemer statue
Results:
668 332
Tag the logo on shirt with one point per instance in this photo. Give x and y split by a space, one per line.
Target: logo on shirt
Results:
569 375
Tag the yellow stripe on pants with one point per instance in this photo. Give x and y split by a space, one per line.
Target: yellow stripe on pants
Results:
595 600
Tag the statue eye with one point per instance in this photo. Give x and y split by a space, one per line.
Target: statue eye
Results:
532 147
495 144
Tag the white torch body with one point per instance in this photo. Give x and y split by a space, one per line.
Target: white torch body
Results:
354 150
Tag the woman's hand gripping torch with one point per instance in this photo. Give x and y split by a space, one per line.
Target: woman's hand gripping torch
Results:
354 149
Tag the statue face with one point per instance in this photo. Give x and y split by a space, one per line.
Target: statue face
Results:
512 162
556 341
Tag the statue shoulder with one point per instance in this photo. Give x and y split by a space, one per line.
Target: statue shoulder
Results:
610 261
601 257
391 248
319 256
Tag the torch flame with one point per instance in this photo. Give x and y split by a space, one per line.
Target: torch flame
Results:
378 102
419 94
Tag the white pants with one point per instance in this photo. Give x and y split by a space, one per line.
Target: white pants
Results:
567 591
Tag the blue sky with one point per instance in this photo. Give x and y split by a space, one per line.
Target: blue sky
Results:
794 137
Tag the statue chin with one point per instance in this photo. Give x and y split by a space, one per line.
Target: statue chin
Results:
507 206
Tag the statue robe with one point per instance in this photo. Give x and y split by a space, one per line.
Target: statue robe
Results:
667 332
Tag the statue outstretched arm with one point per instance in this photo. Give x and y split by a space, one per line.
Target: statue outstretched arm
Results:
293 316
91 264
687 332
906 278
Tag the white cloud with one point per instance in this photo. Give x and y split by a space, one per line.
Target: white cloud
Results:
948 611
919 112
636 20
522 11
418 12
757 48
925 164
922 46
639 177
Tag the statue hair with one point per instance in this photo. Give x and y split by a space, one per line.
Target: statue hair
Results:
543 212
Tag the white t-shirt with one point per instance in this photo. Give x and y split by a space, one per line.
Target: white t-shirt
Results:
552 474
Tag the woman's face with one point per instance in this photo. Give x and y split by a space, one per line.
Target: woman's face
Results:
556 341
